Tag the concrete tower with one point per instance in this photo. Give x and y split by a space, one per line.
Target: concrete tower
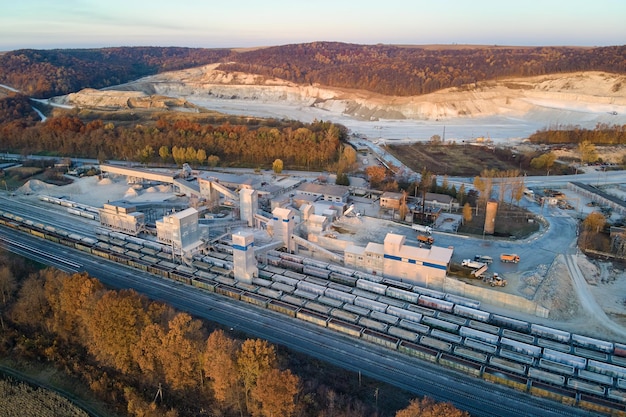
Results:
490 217
244 262
284 220
248 204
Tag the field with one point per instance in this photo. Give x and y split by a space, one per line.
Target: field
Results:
466 160
19 399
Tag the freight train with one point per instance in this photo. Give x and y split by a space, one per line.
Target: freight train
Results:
449 330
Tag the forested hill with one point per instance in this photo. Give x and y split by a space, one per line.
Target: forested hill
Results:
45 73
384 69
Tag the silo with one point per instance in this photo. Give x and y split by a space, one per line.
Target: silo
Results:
490 217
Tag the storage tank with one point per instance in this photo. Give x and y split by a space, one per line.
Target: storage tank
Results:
490 217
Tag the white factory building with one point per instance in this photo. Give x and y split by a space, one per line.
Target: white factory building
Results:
122 216
393 259
180 230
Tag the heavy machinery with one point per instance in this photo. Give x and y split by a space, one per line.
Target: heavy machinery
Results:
496 280
509 257
425 239
472 264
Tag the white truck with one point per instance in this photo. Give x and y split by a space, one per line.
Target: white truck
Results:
472 264
422 228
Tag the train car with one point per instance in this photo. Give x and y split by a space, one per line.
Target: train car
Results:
255 299
398 284
315 280
553 392
591 354
591 343
285 280
293 268
317 307
364 294
606 369
159 270
204 284
414 326
619 349
225 280
510 323
429 292
311 288
461 321
282 307
350 329
380 338
228 291
264 274
294 274
460 364
471 313
564 358
391 301
37 233
222 271
315 263
440 324
292 299
340 270
344 315
556 367
268 292
422 310
361 311
617 395
448 337
368 277
601 405
595 377
339 295
246 286
330 301
470 354
289 257
520 347
384 317
462 301
315 272
436 343
418 351
484 327
480 346
520 337
551 344
544 376
550 333
403 334
588 387
370 286
340 287
342 279
183 277
429 302
478 335
401 294
507 365
516 356
373 324
370 304
404 314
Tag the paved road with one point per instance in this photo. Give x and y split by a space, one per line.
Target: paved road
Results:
476 396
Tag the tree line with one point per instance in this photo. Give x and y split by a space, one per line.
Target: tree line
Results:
148 359
602 134
305 146
384 69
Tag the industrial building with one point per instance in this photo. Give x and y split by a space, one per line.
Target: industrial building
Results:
327 192
122 216
394 259
180 230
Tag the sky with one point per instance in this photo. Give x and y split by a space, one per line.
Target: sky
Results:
46 24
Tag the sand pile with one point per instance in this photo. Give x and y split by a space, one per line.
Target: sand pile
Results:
35 186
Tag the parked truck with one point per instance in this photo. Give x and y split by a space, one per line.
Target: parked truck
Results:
425 239
422 228
509 257
472 264
484 259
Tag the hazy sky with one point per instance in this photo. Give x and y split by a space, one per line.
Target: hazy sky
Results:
44 24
